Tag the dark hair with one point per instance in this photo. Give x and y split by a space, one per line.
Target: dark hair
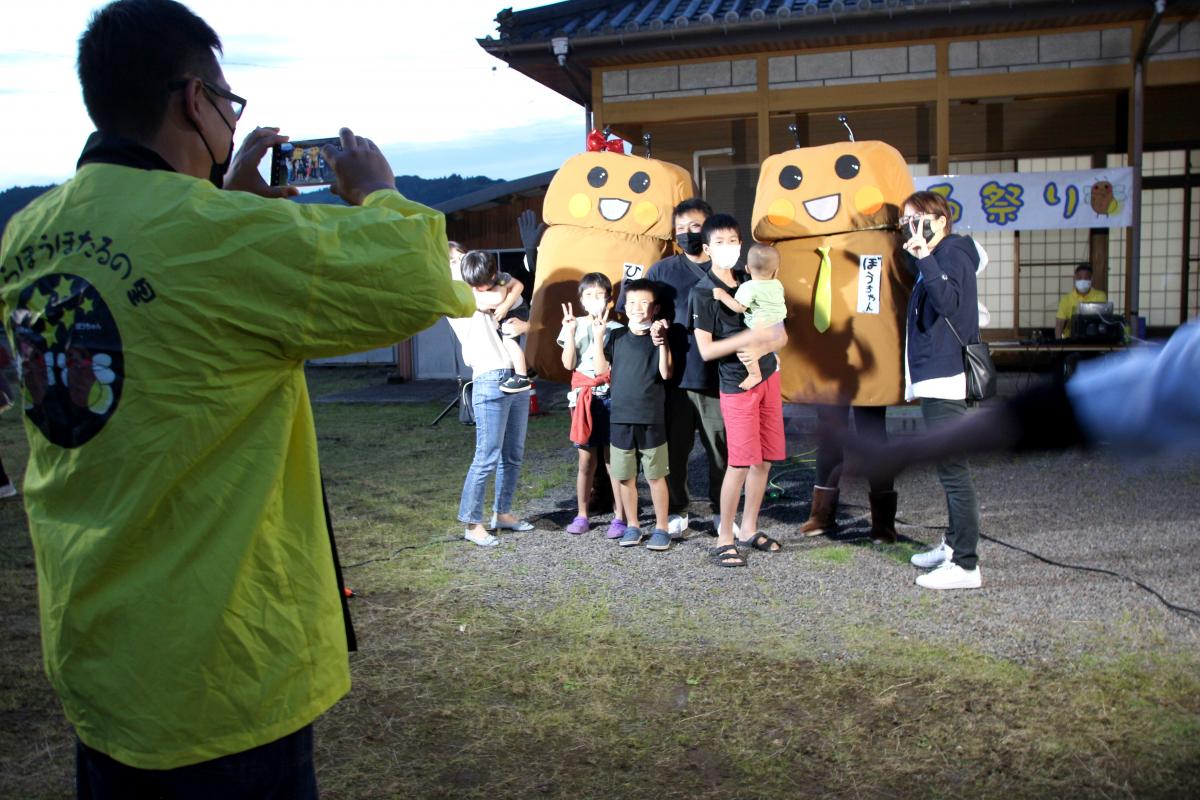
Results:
478 269
930 203
719 222
1084 265
130 54
457 246
693 204
642 285
595 279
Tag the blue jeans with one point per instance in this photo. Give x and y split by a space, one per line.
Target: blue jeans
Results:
963 508
500 423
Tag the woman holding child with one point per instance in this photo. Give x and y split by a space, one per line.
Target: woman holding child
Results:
751 405
501 417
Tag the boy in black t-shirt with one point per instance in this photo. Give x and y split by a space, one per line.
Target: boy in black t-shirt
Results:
640 362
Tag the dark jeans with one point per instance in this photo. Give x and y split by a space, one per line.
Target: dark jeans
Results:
963 535
687 413
280 770
870 422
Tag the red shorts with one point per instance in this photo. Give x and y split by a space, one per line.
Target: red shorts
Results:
754 424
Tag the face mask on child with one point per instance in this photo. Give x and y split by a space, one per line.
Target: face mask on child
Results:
593 306
639 326
724 256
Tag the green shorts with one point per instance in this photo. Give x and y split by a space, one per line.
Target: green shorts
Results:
628 441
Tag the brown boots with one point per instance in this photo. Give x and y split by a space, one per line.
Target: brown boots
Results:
883 517
822 518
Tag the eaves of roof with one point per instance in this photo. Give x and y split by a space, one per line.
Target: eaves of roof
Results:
603 33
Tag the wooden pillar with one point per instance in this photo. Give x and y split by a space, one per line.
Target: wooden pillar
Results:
764 115
1137 31
942 111
597 100
1098 240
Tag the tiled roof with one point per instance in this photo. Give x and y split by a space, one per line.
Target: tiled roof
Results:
584 18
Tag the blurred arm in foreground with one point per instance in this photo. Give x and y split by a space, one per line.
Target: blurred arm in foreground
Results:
1146 400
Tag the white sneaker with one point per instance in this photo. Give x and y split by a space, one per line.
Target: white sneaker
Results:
481 538
932 558
677 524
7 491
950 576
717 525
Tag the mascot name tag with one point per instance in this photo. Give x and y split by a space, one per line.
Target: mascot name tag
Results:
870 276
634 271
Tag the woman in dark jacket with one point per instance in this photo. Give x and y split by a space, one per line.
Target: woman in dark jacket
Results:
943 314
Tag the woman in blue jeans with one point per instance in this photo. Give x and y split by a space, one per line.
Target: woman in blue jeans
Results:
500 419
943 313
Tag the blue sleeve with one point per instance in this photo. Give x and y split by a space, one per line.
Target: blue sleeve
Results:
1148 399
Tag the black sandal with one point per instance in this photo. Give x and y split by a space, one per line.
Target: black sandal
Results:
727 556
762 542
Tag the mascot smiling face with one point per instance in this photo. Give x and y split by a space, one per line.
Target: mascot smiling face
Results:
617 193
834 188
607 212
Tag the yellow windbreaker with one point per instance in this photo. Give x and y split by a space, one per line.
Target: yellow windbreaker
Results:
189 607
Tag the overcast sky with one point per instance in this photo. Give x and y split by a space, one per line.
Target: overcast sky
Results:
407 73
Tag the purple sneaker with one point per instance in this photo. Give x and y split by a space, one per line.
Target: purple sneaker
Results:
579 525
616 529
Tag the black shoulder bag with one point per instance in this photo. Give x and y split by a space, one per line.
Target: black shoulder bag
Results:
977 364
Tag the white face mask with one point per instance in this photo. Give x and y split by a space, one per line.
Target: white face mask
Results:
724 256
594 307
1083 286
639 326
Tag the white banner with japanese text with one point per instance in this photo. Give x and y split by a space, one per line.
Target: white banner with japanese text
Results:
1090 198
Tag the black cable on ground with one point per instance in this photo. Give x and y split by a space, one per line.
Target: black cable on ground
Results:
1184 611
400 550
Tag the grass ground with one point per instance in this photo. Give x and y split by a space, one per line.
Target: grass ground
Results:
452 698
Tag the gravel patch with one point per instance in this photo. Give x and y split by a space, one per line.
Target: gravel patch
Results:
828 597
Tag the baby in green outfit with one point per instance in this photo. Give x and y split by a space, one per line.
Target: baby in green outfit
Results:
760 300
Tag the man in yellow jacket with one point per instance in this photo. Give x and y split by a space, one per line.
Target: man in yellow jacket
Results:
192 623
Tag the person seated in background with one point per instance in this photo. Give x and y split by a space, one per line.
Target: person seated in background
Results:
1082 293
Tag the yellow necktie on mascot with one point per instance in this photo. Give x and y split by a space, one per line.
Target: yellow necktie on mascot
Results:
823 297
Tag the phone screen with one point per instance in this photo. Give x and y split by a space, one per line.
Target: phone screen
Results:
300 163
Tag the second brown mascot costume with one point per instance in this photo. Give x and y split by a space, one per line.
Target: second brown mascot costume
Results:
832 213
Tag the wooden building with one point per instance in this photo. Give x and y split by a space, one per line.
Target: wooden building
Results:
958 87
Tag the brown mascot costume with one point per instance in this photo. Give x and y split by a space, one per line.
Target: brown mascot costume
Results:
606 212
832 213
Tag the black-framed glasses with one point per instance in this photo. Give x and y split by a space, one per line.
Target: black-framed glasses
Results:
237 103
910 219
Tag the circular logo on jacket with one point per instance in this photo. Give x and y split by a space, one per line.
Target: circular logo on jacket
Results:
69 352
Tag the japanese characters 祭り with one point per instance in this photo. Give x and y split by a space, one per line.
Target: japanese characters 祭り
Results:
607 212
832 213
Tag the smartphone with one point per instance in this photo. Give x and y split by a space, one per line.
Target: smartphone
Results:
300 163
